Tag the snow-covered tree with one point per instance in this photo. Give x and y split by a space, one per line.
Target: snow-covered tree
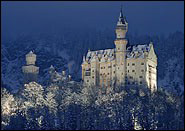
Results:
8 106
33 105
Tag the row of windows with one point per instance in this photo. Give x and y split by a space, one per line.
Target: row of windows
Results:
133 64
108 67
102 67
131 77
118 68
108 73
129 83
134 70
104 74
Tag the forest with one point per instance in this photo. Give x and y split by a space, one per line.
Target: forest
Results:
71 105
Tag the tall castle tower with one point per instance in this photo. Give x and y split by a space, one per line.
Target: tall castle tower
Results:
30 70
121 43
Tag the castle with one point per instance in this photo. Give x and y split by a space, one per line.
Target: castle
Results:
30 71
123 65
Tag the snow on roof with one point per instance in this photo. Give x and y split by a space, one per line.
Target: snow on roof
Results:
51 67
137 51
134 51
94 55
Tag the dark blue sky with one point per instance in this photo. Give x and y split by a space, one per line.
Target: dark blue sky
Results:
143 17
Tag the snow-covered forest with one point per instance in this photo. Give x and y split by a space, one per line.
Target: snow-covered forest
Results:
70 105
65 51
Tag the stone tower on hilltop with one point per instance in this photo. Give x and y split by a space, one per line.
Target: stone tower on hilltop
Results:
30 70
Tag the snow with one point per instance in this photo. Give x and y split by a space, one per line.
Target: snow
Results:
108 53
137 51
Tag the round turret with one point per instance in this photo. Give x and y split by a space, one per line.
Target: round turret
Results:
122 27
30 58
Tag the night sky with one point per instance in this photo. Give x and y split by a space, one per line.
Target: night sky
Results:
145 18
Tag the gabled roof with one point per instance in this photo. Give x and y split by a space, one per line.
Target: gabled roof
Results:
133 51
139 51
100 55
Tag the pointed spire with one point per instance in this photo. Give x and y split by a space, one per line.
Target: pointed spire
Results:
121 13
121 20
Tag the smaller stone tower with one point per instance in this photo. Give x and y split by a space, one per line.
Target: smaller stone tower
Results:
30 70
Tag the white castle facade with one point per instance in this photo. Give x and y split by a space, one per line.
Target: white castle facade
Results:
123 65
